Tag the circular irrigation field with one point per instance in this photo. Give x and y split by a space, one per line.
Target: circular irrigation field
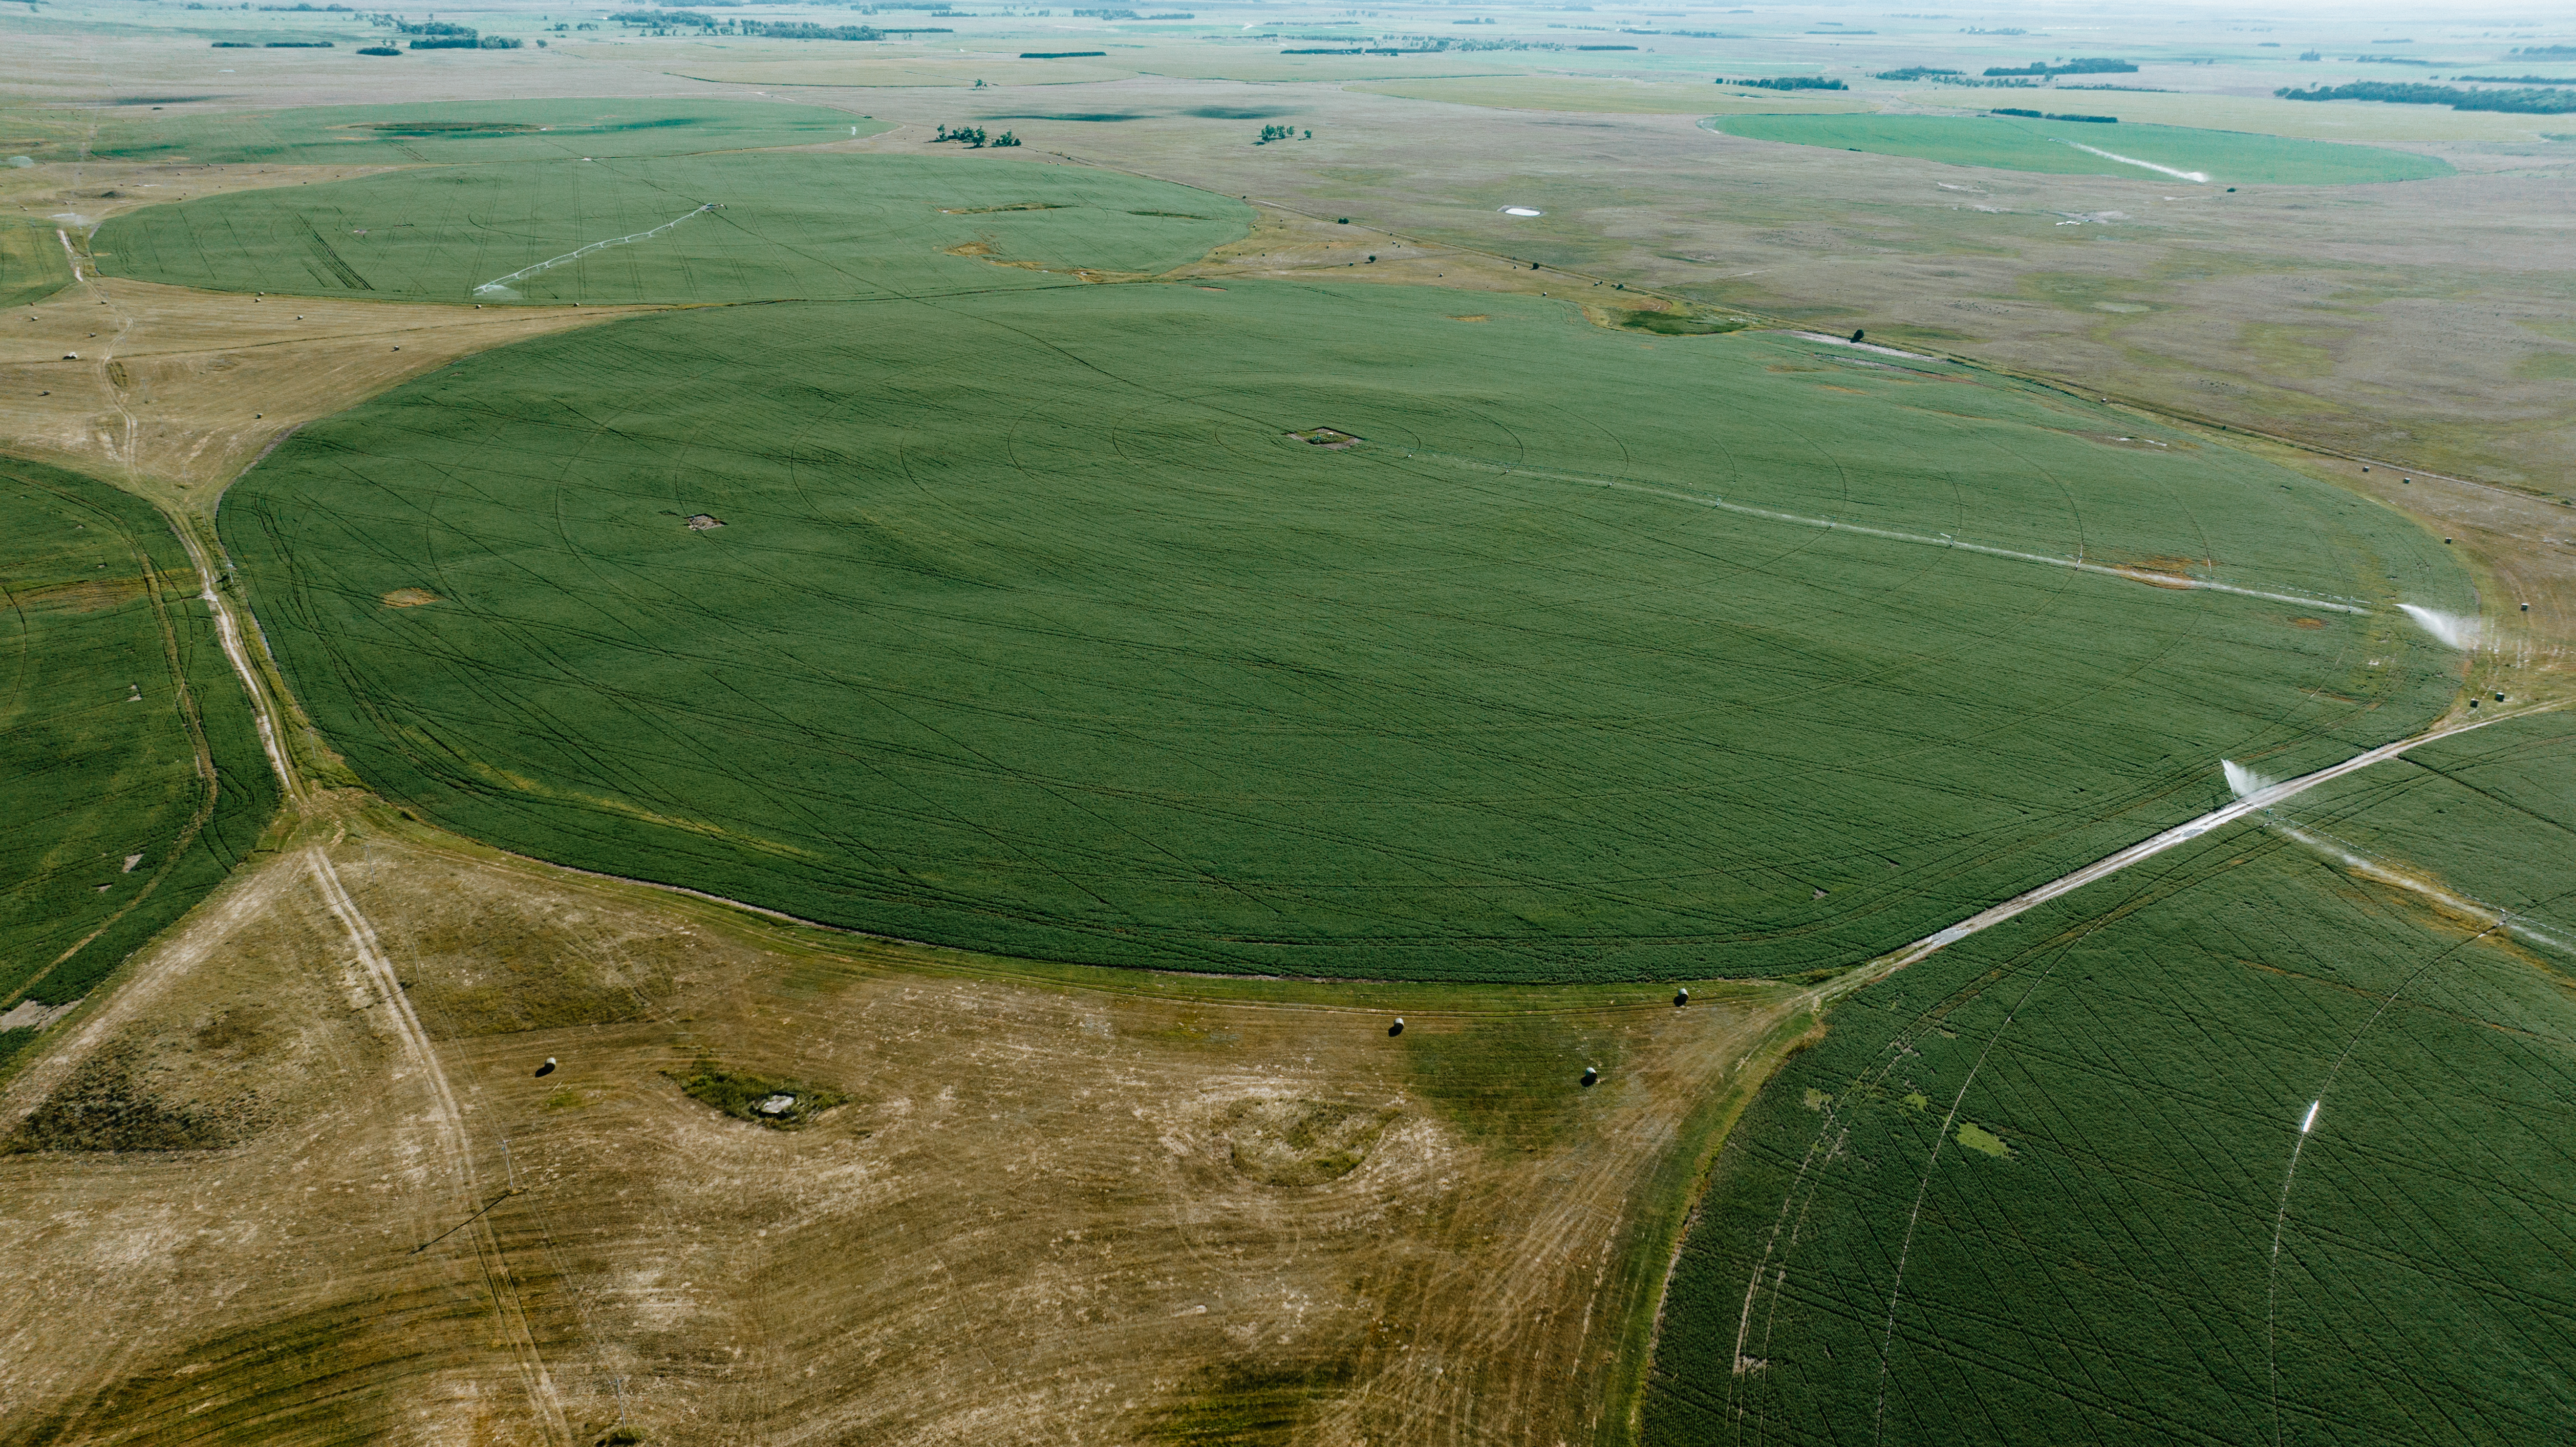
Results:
2185 155
1325 630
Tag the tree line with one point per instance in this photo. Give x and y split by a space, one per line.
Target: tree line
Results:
2532 102
973 138
2097 65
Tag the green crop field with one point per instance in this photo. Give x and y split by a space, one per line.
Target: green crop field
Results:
2015 143
1031 628
804 226
2053 1184
462 132
115 686
33 263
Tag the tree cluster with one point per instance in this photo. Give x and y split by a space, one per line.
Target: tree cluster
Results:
806 30
973 137
1280 133
2097 65
1790 82
1914 72
2532 102
2041 116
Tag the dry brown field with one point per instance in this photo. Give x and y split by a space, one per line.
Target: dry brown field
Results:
305 1179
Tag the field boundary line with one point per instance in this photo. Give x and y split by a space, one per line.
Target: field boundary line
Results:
448 1123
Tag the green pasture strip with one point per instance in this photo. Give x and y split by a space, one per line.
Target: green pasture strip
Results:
470 132
2087 1250
99 607
1031 630
33 264
801 226
2015 143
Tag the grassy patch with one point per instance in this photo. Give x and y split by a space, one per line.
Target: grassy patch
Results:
1512 1081
787 226
104 1107
1674 324
742 1095
2014 143
1300 1142
1072 651
1249 1404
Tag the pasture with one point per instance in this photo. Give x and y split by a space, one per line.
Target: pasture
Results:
129 773
1029 627
677 229
2076 148
2062 1181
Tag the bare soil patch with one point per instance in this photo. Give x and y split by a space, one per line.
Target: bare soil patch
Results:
182 389
410 598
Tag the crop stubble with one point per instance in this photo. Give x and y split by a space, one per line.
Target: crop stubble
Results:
1029 1218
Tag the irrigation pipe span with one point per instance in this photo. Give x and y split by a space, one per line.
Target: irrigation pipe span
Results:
2254 802
2135 575
500 285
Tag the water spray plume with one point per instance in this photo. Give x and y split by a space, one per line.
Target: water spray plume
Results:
2451 628
2242 781
2198 178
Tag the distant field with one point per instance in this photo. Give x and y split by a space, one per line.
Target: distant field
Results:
113 685
1065 648
2040 1176
792 63
1606 97
472 131
2012 143
789 226
759 63
2264 114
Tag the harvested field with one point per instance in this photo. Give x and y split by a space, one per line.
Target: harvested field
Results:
1055 1205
